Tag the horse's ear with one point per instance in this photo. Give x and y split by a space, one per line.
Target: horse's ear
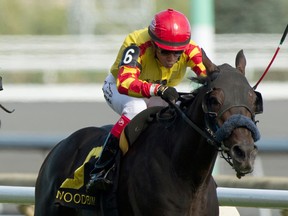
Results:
240 62
210 67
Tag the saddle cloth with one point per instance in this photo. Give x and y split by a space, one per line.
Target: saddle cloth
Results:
72 192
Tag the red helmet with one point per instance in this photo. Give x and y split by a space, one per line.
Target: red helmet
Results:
170 30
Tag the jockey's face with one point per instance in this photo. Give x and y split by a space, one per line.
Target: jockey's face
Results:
166 57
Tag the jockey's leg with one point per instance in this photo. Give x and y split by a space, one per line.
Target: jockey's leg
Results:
99 176
127 107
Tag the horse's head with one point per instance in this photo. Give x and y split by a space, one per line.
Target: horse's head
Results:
230 106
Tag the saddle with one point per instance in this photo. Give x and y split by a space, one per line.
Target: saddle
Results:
136 126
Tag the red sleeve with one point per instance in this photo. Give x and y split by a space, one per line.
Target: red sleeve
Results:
129 84
195 60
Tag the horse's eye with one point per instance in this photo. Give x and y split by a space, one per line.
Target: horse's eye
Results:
213 101
214 104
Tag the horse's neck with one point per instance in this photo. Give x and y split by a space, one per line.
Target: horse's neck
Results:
193 157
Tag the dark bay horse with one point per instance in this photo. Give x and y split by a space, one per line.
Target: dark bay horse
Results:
168 169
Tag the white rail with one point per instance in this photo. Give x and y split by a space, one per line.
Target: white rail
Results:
227 197
253 197
16 194
98 52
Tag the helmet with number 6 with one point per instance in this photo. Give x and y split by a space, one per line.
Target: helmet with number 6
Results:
170 30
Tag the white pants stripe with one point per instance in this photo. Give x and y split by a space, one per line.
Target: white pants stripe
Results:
127 105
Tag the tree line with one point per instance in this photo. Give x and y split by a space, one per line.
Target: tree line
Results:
231 16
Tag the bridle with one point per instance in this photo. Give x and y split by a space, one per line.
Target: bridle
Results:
214 134
208 134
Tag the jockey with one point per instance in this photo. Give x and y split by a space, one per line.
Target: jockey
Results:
150 62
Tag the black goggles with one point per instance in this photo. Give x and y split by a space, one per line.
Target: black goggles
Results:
168 52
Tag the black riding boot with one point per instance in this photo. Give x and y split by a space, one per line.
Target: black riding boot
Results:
99 176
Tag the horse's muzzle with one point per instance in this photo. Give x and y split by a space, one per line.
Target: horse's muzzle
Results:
243 157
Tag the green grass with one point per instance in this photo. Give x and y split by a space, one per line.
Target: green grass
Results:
32 17
17 77
38 77
81 77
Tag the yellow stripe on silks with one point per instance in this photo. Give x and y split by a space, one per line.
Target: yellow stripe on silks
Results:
129 70
201 66
134 94
193 52
127 82
78 181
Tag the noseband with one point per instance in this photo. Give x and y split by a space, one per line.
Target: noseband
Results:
236 121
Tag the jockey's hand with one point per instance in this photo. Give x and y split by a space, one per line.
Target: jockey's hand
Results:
169 94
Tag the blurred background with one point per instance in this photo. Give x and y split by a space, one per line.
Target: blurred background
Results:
81 37
54 56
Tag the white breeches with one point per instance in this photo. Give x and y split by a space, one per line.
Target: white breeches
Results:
127 105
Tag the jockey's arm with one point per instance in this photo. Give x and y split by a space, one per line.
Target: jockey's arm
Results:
195 59
128 81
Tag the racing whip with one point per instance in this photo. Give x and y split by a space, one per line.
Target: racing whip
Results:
274 56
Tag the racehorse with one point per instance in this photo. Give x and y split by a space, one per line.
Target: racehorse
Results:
168 169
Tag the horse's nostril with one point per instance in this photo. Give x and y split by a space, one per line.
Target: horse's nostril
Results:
238 152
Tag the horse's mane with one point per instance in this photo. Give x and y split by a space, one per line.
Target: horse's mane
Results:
204 80
198 80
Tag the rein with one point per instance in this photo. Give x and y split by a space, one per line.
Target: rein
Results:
211 139
5 109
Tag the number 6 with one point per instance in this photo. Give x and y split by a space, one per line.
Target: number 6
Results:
128 57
